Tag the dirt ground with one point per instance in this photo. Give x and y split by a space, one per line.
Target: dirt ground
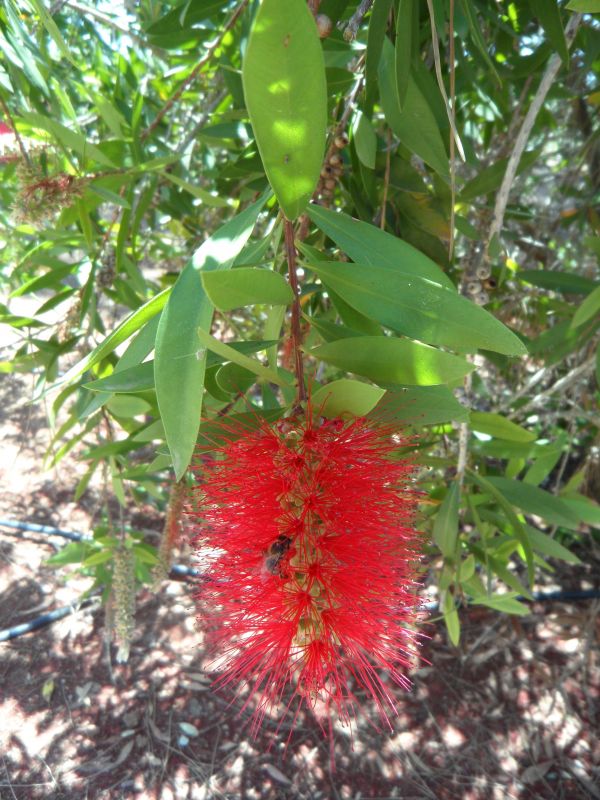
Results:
514 712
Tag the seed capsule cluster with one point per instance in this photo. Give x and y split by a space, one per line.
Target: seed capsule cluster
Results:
478 282
106 274
333 169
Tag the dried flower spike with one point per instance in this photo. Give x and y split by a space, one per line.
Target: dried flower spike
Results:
311 563
171 534
124 600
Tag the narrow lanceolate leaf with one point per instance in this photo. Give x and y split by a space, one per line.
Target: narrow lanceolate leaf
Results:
548 14
533 500
387 360
370 245
420 405
52 29
588 309
286 96
418 307
445 527
415 123
180 361
135 379
377 27
132 324
404 31
228 353
245 286
499 427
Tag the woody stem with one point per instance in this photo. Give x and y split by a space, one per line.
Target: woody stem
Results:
296 334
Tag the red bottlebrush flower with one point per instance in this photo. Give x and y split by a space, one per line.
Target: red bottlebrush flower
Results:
312 562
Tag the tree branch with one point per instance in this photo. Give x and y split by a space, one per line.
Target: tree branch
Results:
290 249
355 20
194 73
523 136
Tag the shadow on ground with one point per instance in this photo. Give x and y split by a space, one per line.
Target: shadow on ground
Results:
511 714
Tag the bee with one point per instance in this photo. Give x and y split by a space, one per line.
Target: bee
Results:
275 554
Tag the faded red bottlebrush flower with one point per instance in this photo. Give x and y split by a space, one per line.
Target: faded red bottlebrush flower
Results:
311 562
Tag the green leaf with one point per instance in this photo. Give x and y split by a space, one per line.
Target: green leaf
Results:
375 38
557 281
72 553
385 360
52 279
451 619
548 14
415 124
52 29
180 364
135 379
67 138
418 307
370 245
502 602
445 526
100 557
420 405
245 286
476 35
499 427
519 528
365 140
548 546
467 568
232 378
286 95
229 354
588 309
533 500
584 6
127 406
489 178
403 49
346 397
196 191
145 553
133 323
587 510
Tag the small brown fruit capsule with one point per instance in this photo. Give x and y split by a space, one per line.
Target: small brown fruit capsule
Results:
327 171
334 160
324 25
330 185
491 283
341 141
483 272
482 298
473 287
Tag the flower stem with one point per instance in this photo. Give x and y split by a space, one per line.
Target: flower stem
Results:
296 334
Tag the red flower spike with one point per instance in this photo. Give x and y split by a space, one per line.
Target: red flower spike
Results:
312 565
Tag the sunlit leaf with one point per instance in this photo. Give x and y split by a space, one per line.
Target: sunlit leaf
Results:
286 95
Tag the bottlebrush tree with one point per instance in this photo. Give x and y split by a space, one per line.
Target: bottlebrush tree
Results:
325 275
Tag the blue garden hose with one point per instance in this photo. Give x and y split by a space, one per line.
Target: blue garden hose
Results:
179 570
